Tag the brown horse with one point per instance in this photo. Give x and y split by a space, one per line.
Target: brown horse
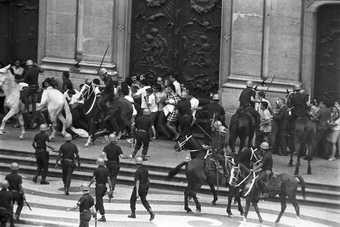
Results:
283 185
303 136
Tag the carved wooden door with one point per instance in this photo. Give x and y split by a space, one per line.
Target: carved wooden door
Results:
327 72
180 37
18 30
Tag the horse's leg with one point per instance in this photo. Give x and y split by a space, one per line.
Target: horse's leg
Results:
238 199
213 191
197 203
63 121
22 125
91 131
246 208
230 198
295 205
257 210
283 206
297 166
186 200
292 146
10 114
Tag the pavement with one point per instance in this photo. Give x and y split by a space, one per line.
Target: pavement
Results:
162 153
50 209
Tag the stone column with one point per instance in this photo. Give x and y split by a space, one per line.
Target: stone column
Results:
122 32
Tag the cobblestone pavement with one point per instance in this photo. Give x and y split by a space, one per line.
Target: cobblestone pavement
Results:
49 209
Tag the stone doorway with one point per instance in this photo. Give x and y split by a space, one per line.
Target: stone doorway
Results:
180 37
18 30
327 67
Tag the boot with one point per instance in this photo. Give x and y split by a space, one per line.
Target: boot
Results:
132 215
35 179
152 215
102 219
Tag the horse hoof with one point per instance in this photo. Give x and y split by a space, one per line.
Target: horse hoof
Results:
214 202
198 210
260 220
21 137
244 219
188 210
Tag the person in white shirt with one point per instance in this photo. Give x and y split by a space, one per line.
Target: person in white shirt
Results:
177 85
150 102
265 124
334 135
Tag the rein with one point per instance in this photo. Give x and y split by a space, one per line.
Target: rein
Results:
88 94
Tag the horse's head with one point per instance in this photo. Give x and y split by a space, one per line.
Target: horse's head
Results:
5 75
86 90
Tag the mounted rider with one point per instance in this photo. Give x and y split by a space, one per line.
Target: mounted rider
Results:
31 77
108 91
247 103
297 103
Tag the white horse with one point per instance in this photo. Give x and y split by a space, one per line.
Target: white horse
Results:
55 102
12 101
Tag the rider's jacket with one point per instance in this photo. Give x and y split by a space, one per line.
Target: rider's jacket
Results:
245 97
298 104
267 161
31 75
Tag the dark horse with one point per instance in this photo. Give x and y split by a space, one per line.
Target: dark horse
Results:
241 126
283 185
201 169
93 113
303 136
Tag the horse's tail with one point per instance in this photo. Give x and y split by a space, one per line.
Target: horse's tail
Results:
68 114
303 186
176 170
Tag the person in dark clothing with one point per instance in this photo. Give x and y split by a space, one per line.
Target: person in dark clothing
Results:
40 143
297 102
215 109
67 83
15 186
281 119
69 154
140 189
142 132
108 92
247 102
85 205
101 176
31 77
113 152
6 206
184 114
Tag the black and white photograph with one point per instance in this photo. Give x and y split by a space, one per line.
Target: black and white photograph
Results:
169 113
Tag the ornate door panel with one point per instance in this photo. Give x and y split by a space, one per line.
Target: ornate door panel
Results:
19 29
327 72
180 37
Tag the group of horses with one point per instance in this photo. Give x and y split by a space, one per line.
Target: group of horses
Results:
88 115
241 177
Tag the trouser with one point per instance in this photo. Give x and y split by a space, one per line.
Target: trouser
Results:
5 216
185 124
113 168
19 199
67 168
283 142
142 194
161 121
84 217
142 138
42 164
29 94
100 192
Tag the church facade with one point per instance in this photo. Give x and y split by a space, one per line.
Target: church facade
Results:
211 45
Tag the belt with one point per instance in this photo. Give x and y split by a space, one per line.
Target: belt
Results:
141 130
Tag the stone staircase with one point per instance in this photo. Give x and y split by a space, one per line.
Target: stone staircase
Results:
316 194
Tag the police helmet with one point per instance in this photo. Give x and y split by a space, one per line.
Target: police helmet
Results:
139 160
297 87
249 83
43 127
216 97
84 188
29 62
68 137
264 145
100 162
14 166
102 71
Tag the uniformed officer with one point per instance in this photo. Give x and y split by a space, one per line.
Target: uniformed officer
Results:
15 186
6 207
247 101
68 153
40 143
267 160
297 102
108 92
142 133
113 152
85 205
140 189
101 176
215 109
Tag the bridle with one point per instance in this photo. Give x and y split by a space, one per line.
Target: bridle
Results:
85 93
